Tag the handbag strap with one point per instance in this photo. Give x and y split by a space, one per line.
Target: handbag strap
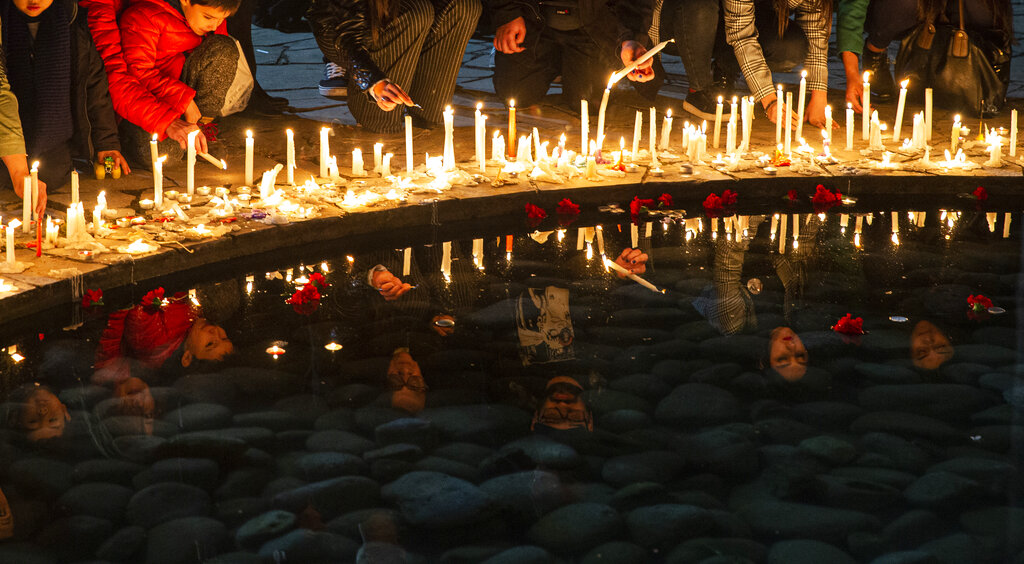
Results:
961 3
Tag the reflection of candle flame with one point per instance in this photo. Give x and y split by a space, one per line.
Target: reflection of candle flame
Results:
856 240
590 251
275 351
332 346
895 238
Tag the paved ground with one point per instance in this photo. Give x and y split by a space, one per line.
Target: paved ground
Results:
290 65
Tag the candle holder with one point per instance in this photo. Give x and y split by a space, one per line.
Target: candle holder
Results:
185 198
244 198
243 190
221 192
146 204
171 194
110 213
137 220
203 190
771 171
123 222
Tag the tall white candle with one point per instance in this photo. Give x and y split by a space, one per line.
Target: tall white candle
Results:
34 175
601 114
74 186
158 182
828 120
26 204
954 134
10 241
190 162
778 115
497 147
718 121
928 114
875 135
478 253
898 125
448 157
446 259
637 128
248 157
730 137
634 235
800 108
385 165
746 112
325 151
1007 217
97 212
584 127
357 163
408 143
478 137
1013 133
378 156
866 107
154 152
849 126
652 135
789 123
782 223
666 130
290 156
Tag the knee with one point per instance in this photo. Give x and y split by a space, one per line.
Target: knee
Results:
421 15
467 11
221 47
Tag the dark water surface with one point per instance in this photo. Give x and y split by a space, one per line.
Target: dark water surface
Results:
531 407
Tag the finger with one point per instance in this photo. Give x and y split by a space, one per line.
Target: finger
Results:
644 65
123 164
642 259
401 95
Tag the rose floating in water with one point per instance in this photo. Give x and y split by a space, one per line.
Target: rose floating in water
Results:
715 205
793 195
318 280
980 194
535 212
979 303
92 298
154 299
849 325
305 300
665 201
638 205
823 199
567 207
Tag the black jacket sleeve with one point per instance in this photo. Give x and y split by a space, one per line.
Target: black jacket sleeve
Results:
99 107
504 11
341 29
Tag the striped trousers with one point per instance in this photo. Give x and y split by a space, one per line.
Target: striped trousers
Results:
421 51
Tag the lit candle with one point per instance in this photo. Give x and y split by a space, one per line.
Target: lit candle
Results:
511 149
928 114
718 121
745 113
158 182
828 120
637 128
666 130
478 253
849 126
357 163
775 226
789 123
448 157
408 144
730 137
651 136
1013 133
332 168
497 147
51 231
378 157
153 150
97 212
898 126
325 151
190 162
248 157
584 127
290 155
954 136
600 115
478 136
800 108
34 175
796 226
74 186
26 204
446 259
778 115
385 165
10 241
866 107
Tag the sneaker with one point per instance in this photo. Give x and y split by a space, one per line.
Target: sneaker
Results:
334 82
701 104
883 86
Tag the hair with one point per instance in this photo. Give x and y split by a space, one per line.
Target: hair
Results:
17 403
230 6
826 7
381 14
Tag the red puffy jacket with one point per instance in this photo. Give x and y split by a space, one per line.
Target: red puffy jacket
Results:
143 56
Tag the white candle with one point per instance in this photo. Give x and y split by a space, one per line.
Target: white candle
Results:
158 182
895 222
849 126
782 227
866 107
600 115
408 144
796 226
497 147
800 108
634 235
74 186
746 112
898 125
290 155
637 128
332 168
828 120
778 115
97 212
26 204
69 225
406 261
1006 224
248 157
789 123
730 137
478 253
584 127
875 135
1013 133
325 151
378 157
385 165
654 128
718 121
34 175
51 231
478 137
10 241
928 114
954 135
357 163
154 152
609 263
448 157
666 130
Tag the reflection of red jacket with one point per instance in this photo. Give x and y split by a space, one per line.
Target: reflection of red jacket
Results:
143 56
144 334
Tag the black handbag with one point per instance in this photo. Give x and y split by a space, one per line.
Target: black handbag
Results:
961 68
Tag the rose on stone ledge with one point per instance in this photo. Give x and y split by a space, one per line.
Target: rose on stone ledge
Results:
849 325
567 207
318 280
638 205
305 300
154 299
92 298
823 199
665 201
715 205
793 195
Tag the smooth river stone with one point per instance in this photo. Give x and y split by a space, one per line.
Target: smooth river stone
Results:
807 552
483 424
777 519
106 501
576 528
186 540
697 405
944 401
330 497
664 525
438 501
263 528
166 501
530 494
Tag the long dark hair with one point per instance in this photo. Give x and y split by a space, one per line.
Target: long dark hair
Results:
826 7
381 14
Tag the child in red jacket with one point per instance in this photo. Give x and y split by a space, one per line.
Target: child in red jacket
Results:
190 69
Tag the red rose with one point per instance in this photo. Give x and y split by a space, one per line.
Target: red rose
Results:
566 207
317 280
534 212
729 198
153 299
92 297
638 205
305 300
665 201
978 303
712 202
849 325
980 193
793 196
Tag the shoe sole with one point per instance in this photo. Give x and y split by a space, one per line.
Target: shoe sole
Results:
328 91
702 114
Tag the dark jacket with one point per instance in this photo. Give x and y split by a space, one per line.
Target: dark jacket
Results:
606 22
342 30
91 108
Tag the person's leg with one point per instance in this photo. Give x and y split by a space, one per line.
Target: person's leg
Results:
441 56
526 77
693 24
584 71
240 27
396 52
135 146
889 20
217 71
784 53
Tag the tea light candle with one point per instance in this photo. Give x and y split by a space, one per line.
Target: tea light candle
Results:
185 198
249 148
171 194
244 198
146 204
204 190
221 192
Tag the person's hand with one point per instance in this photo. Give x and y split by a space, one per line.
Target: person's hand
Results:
119 160
18 178
443 324
631 51
633 260
388 95
508 38
771 104
854 84
390 286
815 114
192 113
179 130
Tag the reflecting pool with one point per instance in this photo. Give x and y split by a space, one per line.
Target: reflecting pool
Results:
781 386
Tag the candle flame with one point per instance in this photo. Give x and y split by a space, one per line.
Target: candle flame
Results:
803 74
905 83
849 105
512 104
479 106
35 166
248 133
154 138
867 76
14 224
720 98
668 114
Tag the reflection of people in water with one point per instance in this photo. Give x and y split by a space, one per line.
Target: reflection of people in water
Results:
544 326
35 410
147 337
563 407
408 388
135 400
929 346
787 354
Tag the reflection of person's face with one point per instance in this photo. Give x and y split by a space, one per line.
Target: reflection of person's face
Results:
408 388
206 341
787 354
929 346
137 400
44 416
563 408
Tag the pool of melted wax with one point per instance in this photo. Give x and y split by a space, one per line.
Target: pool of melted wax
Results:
519 403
